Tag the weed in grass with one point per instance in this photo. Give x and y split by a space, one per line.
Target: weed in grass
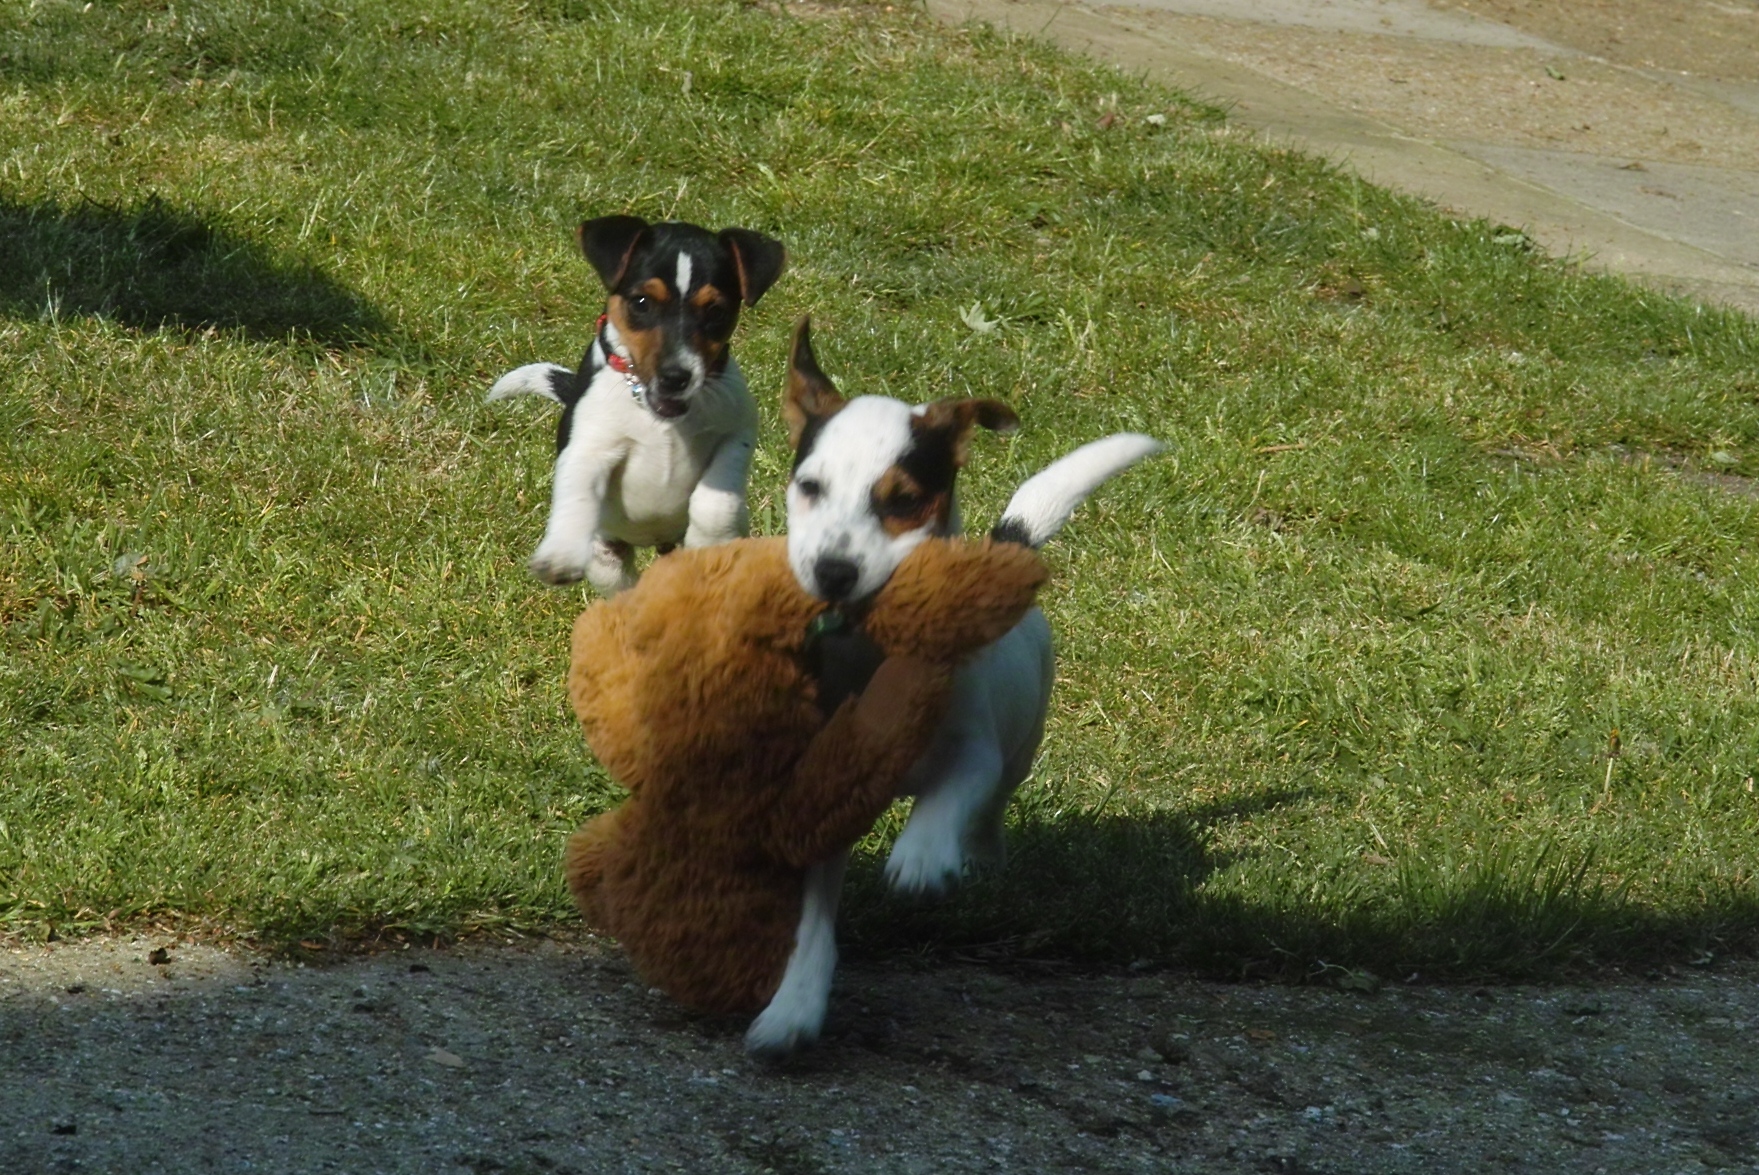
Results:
1338 675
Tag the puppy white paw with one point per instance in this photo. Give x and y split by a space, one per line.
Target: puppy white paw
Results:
925 860
559 564
783 1028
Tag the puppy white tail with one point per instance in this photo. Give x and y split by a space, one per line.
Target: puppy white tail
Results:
535 379
1039 508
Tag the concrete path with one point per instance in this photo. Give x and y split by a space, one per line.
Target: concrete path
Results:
1625 132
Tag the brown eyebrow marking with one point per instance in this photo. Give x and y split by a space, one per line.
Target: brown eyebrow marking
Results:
706 296
656 289
643 345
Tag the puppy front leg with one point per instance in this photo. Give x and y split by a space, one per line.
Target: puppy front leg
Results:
718 513
583 477
966 774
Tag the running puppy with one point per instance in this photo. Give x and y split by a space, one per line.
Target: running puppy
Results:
873 477
658 427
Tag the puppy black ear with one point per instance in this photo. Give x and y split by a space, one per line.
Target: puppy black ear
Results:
607 242
760 260
809 395
994 415
956 418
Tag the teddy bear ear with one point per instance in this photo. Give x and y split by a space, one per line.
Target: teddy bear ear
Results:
809 397
954 420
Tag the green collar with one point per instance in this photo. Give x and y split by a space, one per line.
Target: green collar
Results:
826 623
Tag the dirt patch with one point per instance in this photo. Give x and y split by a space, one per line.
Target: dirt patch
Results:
1641 161
1711 38
1513 96
552 1058
1689 470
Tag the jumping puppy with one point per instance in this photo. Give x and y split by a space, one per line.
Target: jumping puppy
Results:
873 477
657 429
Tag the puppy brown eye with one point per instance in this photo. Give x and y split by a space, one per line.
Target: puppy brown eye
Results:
809 488
903 505
641 303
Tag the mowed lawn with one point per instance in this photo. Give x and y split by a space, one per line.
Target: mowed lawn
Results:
1432 644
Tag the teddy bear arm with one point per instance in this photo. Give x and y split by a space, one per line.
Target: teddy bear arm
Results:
950 598
603 672
851 771
583 864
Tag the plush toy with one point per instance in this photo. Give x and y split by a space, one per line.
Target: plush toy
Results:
713 691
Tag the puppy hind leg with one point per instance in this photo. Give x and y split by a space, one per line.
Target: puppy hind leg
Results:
796 1012
929 855
985 842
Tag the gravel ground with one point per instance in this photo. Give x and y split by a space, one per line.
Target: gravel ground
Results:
551 1058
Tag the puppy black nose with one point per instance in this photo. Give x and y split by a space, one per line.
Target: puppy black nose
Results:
836 577
672 379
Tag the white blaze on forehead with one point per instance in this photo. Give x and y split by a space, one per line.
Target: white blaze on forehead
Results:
859 443
683 282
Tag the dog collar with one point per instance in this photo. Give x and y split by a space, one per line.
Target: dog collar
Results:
619 363
840 658
824 624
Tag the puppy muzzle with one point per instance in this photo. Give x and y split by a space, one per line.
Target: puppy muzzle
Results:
669 393
836 577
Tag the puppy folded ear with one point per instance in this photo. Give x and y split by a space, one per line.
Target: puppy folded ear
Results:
956 418
809 395
608 242
760 260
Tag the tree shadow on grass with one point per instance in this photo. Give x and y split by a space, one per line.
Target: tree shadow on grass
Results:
1122 888
154 266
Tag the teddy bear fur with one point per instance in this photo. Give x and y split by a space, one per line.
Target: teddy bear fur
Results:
695 693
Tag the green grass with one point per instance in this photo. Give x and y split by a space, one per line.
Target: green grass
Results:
1339 675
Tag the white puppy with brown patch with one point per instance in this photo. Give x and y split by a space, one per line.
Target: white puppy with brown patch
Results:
873 477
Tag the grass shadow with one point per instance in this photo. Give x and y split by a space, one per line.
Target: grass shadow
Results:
1110 889
154 266
1086 887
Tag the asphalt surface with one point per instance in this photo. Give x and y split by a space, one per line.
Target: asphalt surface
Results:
160 1055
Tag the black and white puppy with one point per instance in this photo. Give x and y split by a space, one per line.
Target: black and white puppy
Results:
657 429
873 477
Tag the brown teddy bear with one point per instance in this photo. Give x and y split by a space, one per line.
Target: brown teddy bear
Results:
707 691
